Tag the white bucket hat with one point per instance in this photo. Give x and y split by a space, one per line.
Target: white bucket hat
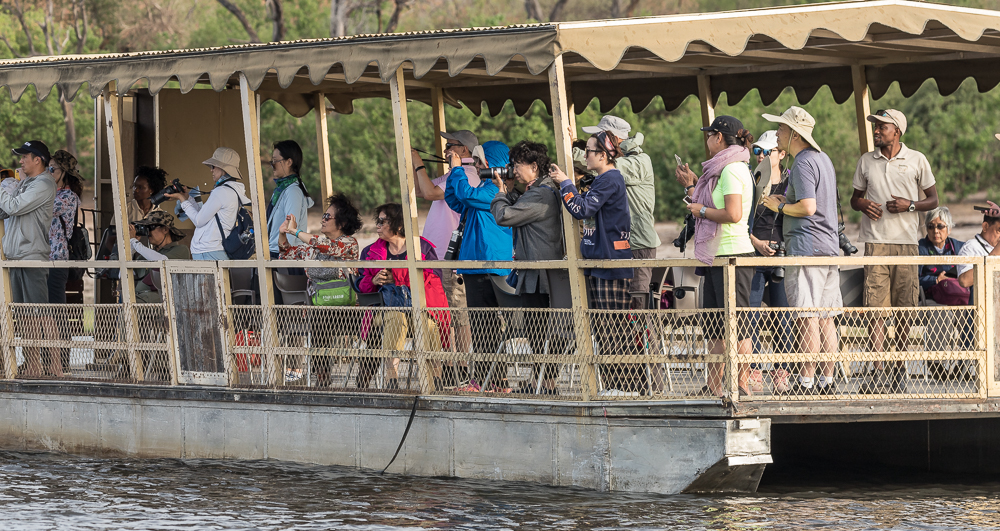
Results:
799 121
227 160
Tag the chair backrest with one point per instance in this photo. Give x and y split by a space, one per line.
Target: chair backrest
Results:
241 285
292 288
365 299
157 281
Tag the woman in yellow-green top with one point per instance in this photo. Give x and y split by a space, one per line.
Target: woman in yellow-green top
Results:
722 202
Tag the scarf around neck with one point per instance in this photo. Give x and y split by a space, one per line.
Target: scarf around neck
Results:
280 185
706 231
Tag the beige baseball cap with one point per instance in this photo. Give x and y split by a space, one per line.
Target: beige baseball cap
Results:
611 124
799 120
890 116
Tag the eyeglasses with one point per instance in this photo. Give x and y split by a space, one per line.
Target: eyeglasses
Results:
381 221
52 169
939 226
450 145
757 150
273 162
594 151
327 216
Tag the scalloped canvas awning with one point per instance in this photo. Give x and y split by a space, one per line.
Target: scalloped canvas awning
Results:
802 47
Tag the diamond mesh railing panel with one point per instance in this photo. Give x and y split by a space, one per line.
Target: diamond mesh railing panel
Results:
89 342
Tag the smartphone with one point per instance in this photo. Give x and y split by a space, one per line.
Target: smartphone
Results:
678 159
688 200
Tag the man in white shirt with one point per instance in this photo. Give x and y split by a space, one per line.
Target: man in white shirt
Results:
982 244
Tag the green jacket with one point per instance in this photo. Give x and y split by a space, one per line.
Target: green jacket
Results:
637 169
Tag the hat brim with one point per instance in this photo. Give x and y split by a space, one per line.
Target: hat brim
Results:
449 136
230 170
997 135
794 127
592 129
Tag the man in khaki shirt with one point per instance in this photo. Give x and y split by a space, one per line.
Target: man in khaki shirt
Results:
887 186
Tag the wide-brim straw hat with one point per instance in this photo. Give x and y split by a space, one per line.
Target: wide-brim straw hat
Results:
227 160
799 121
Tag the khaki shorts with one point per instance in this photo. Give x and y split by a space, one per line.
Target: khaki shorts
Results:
896 286
814 287
455 292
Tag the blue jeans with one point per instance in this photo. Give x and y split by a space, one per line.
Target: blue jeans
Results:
779 322
213 255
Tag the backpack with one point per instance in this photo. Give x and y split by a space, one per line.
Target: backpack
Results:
240 244
78 245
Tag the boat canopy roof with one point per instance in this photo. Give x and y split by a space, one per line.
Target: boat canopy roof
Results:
802 47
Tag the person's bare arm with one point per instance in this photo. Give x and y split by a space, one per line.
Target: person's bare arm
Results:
967 279
902 204
424 189
732 212
869 208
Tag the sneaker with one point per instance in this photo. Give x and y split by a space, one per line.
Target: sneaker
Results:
798 389
615 393
898 380
828 389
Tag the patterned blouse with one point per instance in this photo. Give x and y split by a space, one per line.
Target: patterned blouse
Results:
322 248
64 208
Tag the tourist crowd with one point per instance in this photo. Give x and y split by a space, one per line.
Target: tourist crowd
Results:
500 203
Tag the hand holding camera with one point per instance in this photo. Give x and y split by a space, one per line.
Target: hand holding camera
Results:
174 190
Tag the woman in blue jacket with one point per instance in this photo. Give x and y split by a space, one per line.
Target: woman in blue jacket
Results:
482 239
606 238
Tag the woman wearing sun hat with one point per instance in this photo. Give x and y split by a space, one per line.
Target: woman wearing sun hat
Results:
225 200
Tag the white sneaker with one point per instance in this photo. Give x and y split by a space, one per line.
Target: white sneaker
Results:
615 393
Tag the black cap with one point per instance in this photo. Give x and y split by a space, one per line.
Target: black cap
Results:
726 125
35 147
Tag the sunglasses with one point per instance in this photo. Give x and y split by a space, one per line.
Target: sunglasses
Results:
939 226
594 151
381 221
327 216
450 145
757 150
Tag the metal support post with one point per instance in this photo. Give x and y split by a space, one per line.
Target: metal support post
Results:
251 135
407 188
577 283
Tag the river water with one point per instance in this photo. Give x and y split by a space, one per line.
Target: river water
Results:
50 491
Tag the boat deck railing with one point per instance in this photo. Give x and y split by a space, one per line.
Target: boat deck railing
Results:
200 336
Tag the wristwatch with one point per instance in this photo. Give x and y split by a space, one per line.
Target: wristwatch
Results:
702 212
781 208
912 207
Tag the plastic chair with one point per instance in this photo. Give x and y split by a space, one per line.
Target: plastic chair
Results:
241 284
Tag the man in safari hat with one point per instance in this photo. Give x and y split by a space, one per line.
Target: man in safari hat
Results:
887 186
809 228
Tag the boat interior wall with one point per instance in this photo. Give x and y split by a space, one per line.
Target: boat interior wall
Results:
191 126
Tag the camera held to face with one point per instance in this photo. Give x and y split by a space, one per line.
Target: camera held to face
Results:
505 172
173 188
141 230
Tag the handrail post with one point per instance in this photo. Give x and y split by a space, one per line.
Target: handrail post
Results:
731 378
171 314
558 88
112 112
437 109
251 136
6 320
862 108
985 316
407 189
707 102
323 146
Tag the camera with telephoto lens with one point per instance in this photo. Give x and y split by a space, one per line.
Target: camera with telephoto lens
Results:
778 272
504 172
844 243
686 233
173 188
141 230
